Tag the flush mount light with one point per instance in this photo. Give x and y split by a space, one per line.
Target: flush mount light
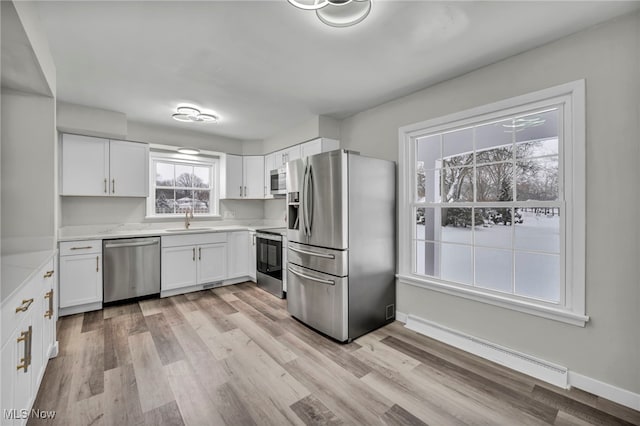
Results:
190 151
189 114
337 13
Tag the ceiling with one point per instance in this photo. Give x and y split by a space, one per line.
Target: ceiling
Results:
265 66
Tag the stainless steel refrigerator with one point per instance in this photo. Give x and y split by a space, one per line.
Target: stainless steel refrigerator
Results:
341 243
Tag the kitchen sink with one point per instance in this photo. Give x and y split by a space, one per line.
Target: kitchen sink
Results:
195 229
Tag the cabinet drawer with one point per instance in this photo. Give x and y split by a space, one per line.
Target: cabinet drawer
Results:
26 300
194 239
70 248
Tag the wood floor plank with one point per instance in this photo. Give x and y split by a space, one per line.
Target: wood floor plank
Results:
375 353
165 415
193 401
166 343
349 398
153 387
92 321
576 409
231 407
117 310
313 412
117 330
398 416
121 399
279 352
264 309
219 319
226 294
272 327
210 335
88 369
521 401
331 349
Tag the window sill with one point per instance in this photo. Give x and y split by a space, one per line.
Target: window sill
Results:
495 300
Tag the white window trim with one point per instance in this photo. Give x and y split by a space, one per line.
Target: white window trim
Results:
184 158
574 164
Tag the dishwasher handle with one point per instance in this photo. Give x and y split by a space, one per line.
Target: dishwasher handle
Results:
135 244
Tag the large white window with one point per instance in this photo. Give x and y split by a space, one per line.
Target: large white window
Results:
492 203
181 183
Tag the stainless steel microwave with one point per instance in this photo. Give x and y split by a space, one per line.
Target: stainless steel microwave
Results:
278 183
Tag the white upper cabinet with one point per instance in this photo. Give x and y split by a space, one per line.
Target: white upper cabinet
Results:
233 175
253 176
317 146
244 177
85 166
285 155
129 168
101 167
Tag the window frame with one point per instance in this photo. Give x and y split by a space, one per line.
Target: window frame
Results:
572 166
195 160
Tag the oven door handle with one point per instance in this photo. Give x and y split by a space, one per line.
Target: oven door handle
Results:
307 277
311 253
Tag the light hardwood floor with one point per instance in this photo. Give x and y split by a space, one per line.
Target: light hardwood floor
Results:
234 356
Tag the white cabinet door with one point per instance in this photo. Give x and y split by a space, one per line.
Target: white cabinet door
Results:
233 174
16 382
85 166
279 159
252 256
269 164
292 153
129 169
237 260
212 263
80 279
311 148
178 267
8 382
253 176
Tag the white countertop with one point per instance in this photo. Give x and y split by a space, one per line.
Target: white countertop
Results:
77 233
19 268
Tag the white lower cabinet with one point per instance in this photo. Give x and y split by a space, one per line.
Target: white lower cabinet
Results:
238 245
252 256
28 340
80 276
192 260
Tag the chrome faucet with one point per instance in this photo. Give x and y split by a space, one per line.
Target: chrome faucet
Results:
187 216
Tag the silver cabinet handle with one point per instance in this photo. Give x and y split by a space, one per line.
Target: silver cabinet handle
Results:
97 263
81 248
245 191
105 185
307 277
140 244
194 255
311 253
241 190
199 253
113 186
254 239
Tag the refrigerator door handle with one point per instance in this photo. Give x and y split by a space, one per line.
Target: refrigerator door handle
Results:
311 253
307 277
310 196
305 196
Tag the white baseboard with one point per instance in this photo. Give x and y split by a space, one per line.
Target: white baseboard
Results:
54 350
526 364
529 365
605 390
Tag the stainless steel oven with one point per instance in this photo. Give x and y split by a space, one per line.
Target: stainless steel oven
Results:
278 183
269 262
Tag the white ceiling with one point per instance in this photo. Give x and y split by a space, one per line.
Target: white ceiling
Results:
265 66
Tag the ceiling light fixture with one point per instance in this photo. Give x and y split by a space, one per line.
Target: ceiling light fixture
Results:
337 13
188 114
190 151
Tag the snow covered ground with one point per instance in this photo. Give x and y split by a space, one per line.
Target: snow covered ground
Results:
522 259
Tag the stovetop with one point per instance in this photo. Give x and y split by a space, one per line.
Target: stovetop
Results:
273 231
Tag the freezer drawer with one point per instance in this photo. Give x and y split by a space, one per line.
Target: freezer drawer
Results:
319 300
333 262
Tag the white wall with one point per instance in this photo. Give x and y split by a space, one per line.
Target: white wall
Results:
318 126
89 121
608 58
28 172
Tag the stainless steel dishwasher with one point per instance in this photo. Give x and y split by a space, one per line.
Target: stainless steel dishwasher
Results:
131 268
